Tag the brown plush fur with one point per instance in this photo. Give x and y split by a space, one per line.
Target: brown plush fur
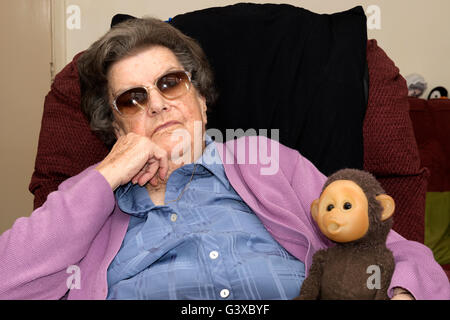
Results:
341 272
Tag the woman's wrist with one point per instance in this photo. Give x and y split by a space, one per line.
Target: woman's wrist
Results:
109 175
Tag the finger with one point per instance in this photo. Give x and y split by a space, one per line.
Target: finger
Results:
136 178
402 296
161 156
149 173
154 181
164 168
138 175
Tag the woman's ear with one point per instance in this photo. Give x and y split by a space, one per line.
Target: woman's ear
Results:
203 108
204 116
388 205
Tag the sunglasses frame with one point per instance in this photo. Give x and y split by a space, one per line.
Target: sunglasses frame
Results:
153 86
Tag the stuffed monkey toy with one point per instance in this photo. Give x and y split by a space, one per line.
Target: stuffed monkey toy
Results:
354 212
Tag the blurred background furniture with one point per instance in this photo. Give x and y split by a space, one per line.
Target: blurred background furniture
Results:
431 123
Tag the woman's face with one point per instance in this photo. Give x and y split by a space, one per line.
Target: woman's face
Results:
187 112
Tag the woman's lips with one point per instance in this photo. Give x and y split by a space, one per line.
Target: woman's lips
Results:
165 125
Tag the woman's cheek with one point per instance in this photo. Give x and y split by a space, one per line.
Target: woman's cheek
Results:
138 126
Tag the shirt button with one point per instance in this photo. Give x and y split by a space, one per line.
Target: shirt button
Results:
173 217
224 293
213 254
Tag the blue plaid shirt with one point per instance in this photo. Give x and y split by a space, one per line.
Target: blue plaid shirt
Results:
207 245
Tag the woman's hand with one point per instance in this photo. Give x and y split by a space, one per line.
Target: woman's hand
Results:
134 158
402 294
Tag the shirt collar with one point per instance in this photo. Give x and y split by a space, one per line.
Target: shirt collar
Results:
211 160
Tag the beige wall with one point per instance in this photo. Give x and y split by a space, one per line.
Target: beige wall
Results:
414 33
24 81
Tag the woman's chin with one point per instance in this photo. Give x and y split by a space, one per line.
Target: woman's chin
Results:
177 151
179 145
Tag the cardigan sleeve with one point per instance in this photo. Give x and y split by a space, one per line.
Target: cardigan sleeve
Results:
416 270
37 251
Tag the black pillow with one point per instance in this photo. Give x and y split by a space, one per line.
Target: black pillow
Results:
118 18
284 67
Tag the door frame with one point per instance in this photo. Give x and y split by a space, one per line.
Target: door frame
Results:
59 36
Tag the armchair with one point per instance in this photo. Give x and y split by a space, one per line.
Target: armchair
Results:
332 94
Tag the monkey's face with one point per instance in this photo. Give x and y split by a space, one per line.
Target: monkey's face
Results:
341 212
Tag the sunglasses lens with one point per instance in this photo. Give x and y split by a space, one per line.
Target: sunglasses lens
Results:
126 102
173 85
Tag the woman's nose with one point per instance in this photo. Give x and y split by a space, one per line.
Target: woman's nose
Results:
156 102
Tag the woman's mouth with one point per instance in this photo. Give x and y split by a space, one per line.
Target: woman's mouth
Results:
165 125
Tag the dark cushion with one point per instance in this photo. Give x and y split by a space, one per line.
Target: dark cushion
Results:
66 144
284 67
431 119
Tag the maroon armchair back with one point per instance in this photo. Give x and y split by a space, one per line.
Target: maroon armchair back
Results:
67 146
390 148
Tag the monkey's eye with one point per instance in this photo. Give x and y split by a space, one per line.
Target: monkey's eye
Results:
330 207
347 206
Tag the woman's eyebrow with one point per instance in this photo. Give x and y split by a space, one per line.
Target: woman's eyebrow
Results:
124 88
173 68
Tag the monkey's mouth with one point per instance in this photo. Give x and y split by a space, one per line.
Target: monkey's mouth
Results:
333 228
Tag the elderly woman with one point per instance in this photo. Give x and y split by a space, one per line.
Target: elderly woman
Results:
167 215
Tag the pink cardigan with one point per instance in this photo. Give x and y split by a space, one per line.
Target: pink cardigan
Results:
80 224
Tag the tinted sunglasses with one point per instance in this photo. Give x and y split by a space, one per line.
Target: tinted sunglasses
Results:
170 85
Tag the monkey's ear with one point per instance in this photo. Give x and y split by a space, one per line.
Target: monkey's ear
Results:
388 205
315 209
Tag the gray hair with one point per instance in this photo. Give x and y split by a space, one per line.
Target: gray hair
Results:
125 39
